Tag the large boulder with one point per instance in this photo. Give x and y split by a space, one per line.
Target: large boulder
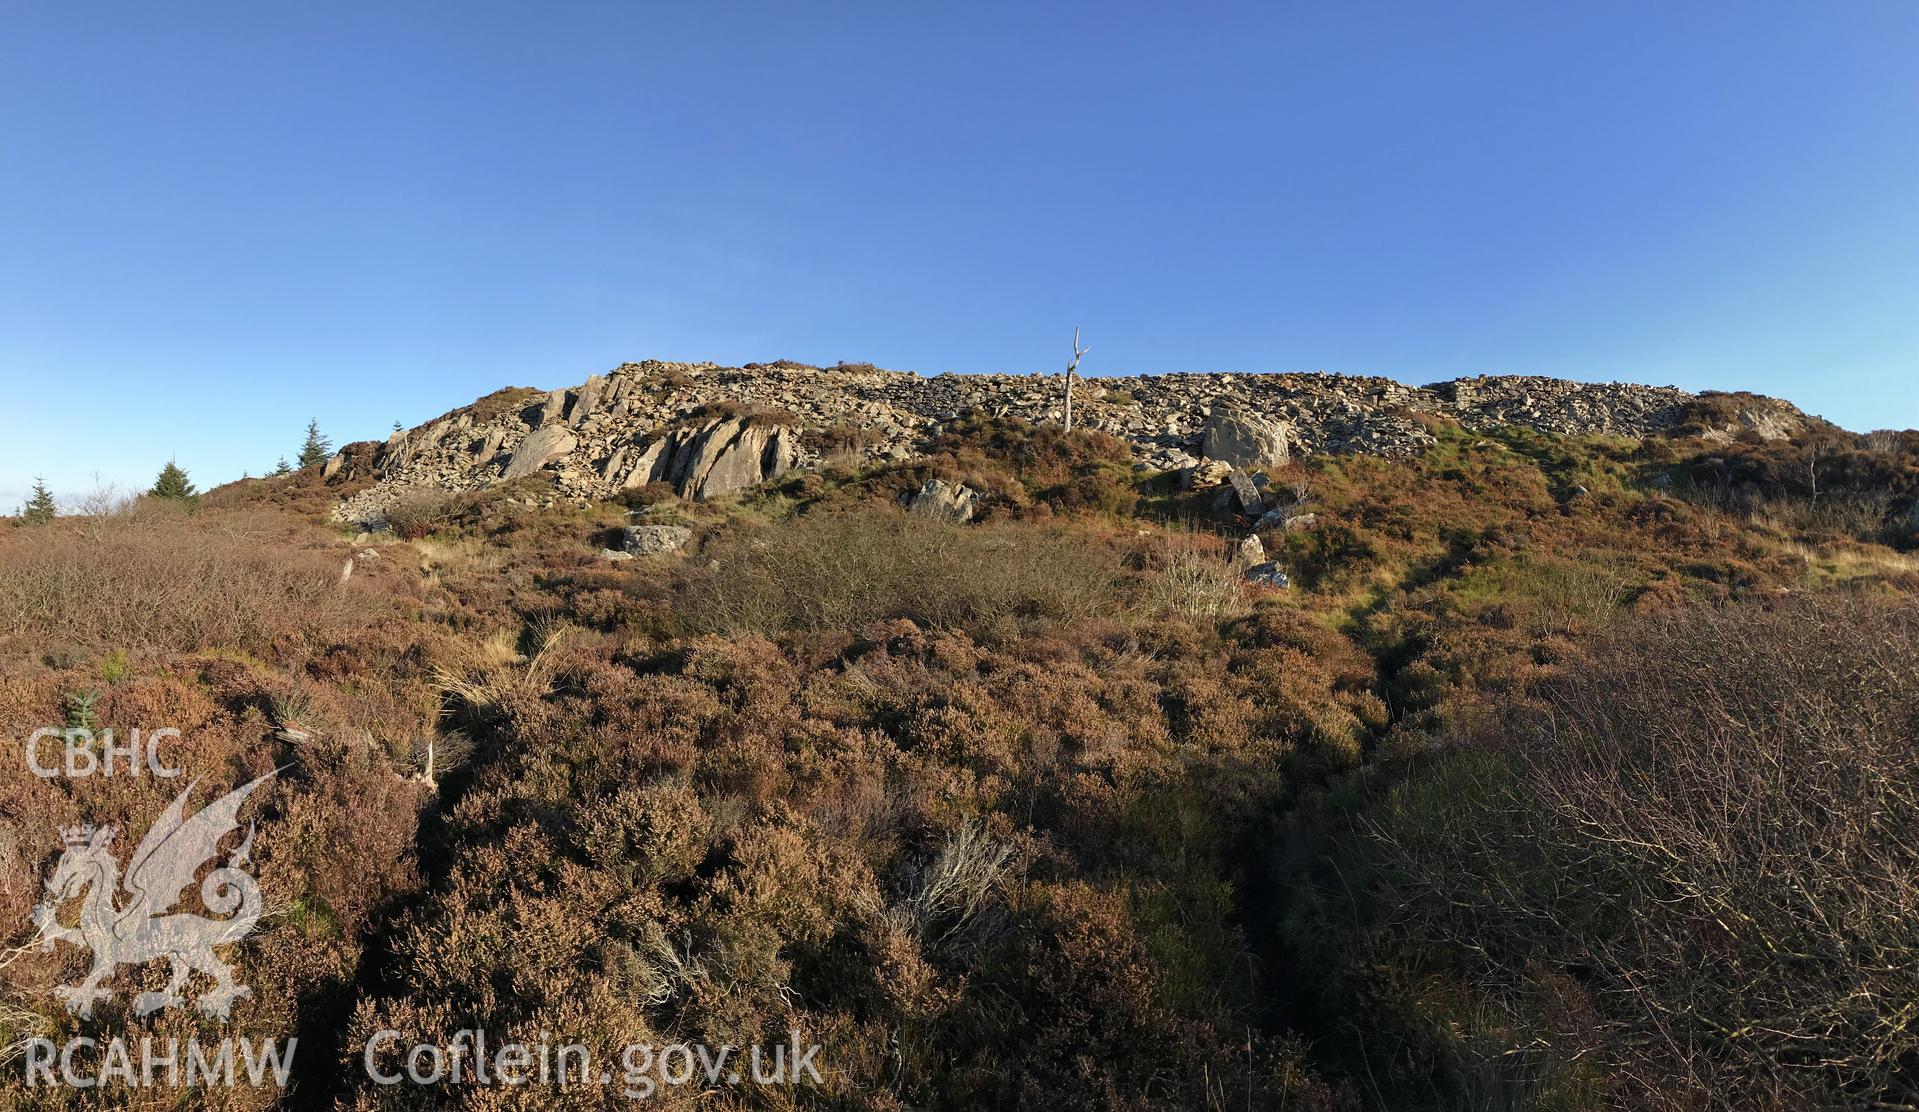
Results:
1244 439
944 500
541 447
651 540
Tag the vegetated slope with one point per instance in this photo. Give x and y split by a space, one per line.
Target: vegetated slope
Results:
1051 807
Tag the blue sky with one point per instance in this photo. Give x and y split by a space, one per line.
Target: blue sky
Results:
220 220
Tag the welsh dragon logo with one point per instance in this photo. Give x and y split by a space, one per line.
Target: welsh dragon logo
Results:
141 929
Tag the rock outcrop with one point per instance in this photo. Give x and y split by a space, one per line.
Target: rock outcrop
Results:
706 460
710 431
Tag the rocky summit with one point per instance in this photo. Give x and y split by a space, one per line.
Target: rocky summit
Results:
708 430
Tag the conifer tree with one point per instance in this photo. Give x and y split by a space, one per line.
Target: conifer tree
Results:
280 468
172 483
317 447
39 508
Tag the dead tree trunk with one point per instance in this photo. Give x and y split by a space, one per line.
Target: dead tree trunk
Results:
1072 369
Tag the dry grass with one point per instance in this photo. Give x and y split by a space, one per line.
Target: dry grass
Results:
173 582
847 569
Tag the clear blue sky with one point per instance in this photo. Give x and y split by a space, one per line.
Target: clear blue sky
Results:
222 219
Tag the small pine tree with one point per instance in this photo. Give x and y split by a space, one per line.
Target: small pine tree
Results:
39 508
317 447
280 468
172 483
397 427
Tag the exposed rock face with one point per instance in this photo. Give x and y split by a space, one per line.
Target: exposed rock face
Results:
655 422
542 447
706 461
944 500
1243 439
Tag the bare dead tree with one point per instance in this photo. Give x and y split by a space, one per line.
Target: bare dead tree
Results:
1072 369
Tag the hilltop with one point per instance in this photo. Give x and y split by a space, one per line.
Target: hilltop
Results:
708 429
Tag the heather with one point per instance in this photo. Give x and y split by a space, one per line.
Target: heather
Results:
1572 771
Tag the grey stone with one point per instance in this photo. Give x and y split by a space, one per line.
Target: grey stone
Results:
642 470
614 554
1288 517
1244 439
1204 475
1246 494
730 455
1251 551
946 501
650 540
1267 575
541 447
586 401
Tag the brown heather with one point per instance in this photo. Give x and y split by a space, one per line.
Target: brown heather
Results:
1521 797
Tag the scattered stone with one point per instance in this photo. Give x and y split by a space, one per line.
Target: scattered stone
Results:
1205 475
633 425
1287 518
1251 551
954 502
614 554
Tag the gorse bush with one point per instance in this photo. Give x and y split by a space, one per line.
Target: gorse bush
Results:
417 516
1688 878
